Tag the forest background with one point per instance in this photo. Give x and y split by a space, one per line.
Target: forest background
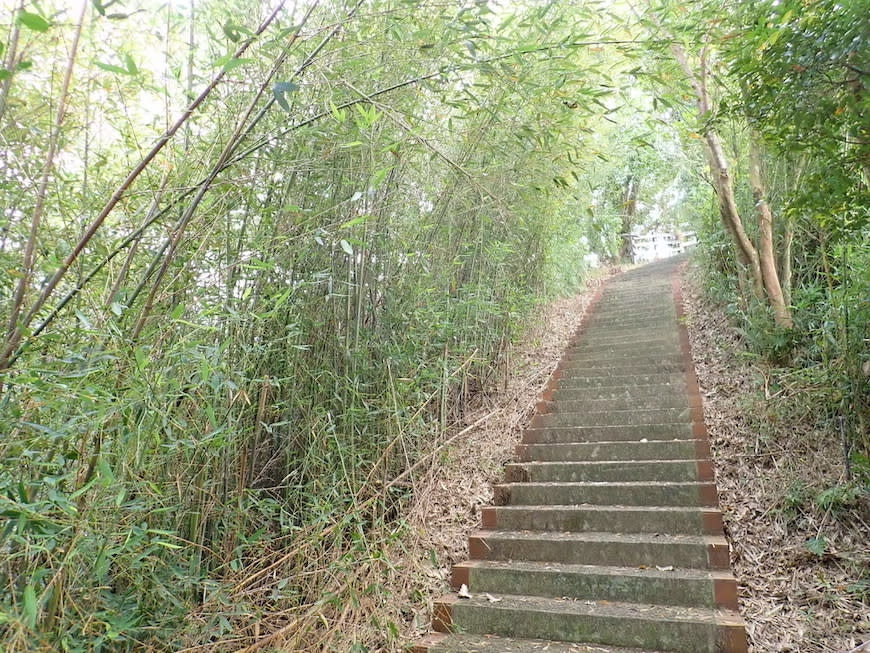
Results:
259 260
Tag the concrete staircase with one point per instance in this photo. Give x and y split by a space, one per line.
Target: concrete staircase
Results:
606 534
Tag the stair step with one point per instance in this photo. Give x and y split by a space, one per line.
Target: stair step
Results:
689 587
627 369
667 362
637 392
581 405
457 643
627 350
631 450
629 432
621 381
613 417
684 520
667 628
605 339
690 493
597 548
608 470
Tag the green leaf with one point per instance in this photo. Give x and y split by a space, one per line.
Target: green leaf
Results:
231 32
29 601
234 31
33 21
229 63
131 65
107 477
816 545
4 74
279 91
346 247
98 5
111 68
355 221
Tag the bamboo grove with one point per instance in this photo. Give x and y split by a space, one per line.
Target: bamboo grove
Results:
259 259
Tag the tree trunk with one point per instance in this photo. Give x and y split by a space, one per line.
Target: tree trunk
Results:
629 209
767 258
746 253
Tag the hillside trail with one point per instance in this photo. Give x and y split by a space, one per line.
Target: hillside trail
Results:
606 534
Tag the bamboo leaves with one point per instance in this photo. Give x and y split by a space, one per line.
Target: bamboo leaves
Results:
280 91
33 21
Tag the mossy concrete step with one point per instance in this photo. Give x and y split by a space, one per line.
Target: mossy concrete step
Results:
627 433
626 350
608 470
613 417
666 362
689 587
675 520
621 369
650 324
632 493
603 342
620 450
631 317
463 643
611 302
628 312
619 381
597 548
667 390
677 629
580 404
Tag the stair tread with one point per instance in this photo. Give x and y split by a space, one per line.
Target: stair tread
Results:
645 611
597 507
596 443
604 570
608 483
603 536
592 463
457 643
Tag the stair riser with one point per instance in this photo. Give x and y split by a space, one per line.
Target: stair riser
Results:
692 495
578 520
688 555
673 636
650 450
622 471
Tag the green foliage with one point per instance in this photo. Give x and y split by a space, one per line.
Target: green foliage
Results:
308 287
